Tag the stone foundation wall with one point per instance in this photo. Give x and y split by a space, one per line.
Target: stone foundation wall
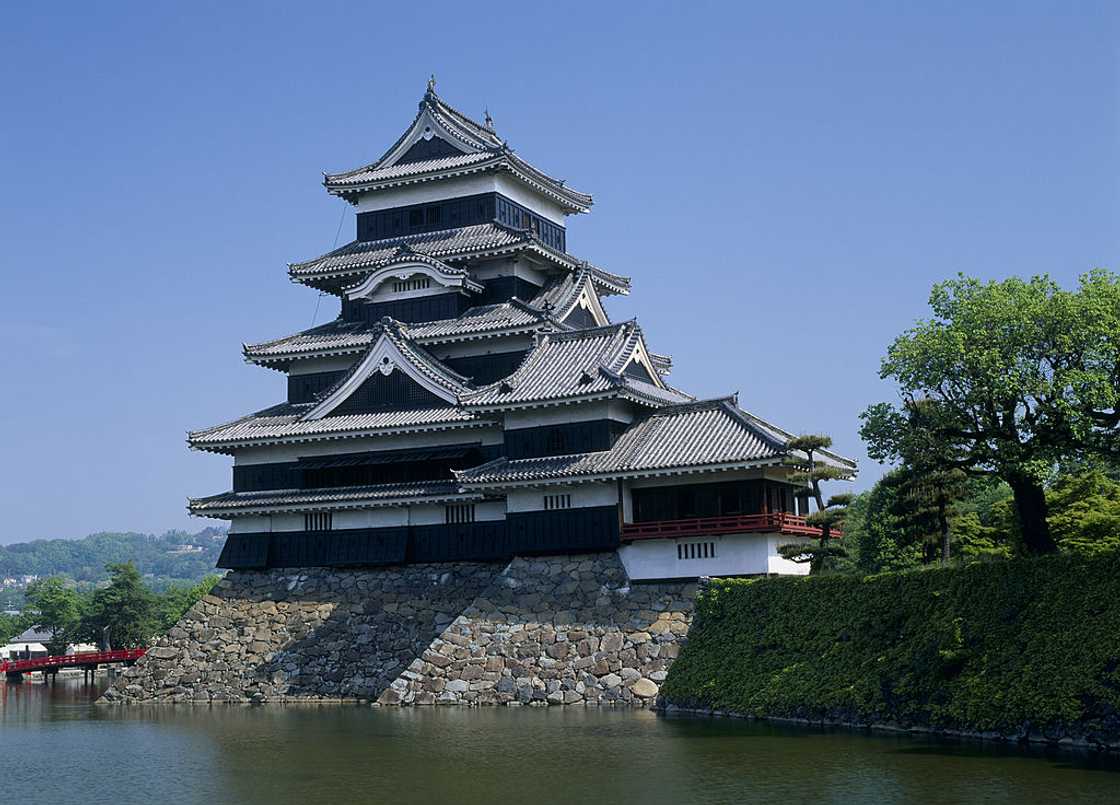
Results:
550 630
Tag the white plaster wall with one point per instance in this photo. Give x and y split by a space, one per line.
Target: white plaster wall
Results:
290 452
250 525
385 292
436 514
309 366
369 518
509 267
443 189
583 496
736 555
779 564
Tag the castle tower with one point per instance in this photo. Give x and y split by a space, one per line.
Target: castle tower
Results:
473 401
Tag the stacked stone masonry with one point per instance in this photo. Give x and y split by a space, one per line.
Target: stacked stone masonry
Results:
540 631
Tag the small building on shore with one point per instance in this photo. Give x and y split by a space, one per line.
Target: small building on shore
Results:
474 401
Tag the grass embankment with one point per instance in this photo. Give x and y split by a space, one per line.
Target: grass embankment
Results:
1024 648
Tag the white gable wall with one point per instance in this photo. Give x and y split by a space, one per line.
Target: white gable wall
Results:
474 184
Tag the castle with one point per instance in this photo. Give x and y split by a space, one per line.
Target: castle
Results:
473 401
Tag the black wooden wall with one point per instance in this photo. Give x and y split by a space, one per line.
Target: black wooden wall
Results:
686 501
412 310
562 439
521 534
305 388
483 369
453 213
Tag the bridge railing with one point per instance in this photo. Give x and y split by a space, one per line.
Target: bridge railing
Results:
71 660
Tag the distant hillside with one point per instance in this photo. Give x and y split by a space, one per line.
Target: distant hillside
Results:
174 556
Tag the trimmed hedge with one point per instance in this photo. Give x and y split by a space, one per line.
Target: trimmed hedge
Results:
1026 646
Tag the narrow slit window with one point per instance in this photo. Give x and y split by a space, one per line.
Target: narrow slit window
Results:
412 284
552 502
696 550
318 521
457 513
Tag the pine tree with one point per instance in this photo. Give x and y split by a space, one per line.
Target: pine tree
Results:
829 515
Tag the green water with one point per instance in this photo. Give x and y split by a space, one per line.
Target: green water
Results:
57 747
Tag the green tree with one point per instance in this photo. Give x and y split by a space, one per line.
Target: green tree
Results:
1011 377
123 614
10 626
178 598
54 606
1085 512
925 503
829 515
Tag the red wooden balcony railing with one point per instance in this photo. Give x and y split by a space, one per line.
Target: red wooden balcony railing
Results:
71 660
778 522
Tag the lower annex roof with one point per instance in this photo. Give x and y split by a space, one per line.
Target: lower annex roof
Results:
704 434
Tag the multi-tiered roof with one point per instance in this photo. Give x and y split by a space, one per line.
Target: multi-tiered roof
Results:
462 314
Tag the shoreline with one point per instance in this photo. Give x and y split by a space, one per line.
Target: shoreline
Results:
1023 738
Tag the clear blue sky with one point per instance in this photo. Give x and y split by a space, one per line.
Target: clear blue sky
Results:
783 181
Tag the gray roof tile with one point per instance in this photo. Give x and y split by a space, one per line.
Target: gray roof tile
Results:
462 243
694 434
485 151
380 494
579 363
344 337
285 422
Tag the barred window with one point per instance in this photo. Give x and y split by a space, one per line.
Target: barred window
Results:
318 521
459 513
557 502
696 550
412 284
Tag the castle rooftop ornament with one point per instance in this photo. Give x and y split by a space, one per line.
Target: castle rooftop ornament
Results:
473 400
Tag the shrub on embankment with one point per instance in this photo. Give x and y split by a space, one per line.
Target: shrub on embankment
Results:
1026 648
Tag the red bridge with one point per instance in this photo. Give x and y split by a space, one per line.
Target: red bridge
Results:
86 659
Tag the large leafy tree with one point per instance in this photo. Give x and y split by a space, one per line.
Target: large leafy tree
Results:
122 614
1009 379
54 606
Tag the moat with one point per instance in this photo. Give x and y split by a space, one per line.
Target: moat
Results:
54 742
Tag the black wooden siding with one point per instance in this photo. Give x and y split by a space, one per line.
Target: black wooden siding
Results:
363 469
502 289
563 439
380 392
433 148
484 369
412 310
305 388
521 534
454 213
711 500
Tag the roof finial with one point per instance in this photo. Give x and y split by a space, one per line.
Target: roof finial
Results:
487 119
432 84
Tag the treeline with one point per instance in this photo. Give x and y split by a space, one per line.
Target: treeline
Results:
896 525
1005 437
171 557
124 613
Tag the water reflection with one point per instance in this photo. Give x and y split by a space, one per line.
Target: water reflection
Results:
54 743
